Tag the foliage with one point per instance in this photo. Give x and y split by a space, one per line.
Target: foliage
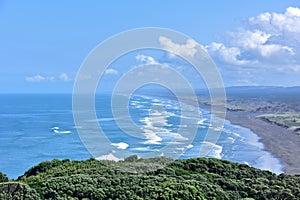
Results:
287 120
17 191
197 178
3 177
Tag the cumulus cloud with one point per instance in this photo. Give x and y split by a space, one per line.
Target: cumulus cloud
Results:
187 49
251 39
111 71
268 40
287 23
148 60
227 54
259 41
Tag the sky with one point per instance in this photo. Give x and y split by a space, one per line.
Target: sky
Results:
43 43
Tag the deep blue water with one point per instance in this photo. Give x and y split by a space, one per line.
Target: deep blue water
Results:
35 128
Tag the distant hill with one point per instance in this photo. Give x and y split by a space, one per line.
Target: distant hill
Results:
267 90
197 178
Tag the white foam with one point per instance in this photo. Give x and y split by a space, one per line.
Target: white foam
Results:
221 128
120 145
105 119
139 106
170 114
268 162
231 140
134 101
201 121
214 149
155 100
55 129
65 132
177 136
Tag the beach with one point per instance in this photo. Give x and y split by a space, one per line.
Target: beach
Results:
245 106
281 142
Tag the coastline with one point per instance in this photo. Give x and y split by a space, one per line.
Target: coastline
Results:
272 137
281 142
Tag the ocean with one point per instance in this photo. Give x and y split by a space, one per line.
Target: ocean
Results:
39 127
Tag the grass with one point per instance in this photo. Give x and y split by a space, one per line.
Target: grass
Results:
288 120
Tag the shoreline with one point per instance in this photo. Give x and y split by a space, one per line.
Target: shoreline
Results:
281 142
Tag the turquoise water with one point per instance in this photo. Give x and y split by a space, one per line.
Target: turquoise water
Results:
34 128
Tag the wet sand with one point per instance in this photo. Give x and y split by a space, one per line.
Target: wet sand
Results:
281 142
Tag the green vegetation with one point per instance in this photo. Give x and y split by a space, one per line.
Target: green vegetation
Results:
198 178
15 190
3 178
287 120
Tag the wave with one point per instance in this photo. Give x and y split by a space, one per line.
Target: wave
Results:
201 121
105 119
56 129
268 162
231 140
214 149
65 132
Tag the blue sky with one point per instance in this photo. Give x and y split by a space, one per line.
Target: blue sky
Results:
43 43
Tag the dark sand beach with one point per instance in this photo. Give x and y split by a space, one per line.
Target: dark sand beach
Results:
245 104
278 140
281 142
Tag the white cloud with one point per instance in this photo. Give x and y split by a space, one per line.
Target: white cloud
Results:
270 40
111 71
258 41
266 50
188 49
250 39
64 77
148 60
229 55
36 78
41 78
287 23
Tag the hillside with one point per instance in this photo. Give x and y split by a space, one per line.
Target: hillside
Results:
198 178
